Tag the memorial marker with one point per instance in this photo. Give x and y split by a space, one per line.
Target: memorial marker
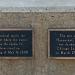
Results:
15 42
61 43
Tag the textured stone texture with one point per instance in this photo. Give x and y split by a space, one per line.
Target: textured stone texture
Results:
40 64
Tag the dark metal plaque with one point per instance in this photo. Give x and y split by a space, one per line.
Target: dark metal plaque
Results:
61 43
15 43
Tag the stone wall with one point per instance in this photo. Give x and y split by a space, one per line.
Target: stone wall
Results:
40 64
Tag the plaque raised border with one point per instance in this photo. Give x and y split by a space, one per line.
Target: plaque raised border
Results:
16 29
49 43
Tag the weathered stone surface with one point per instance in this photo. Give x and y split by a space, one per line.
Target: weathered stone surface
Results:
40 64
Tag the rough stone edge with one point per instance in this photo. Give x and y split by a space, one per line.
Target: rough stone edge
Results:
37 9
